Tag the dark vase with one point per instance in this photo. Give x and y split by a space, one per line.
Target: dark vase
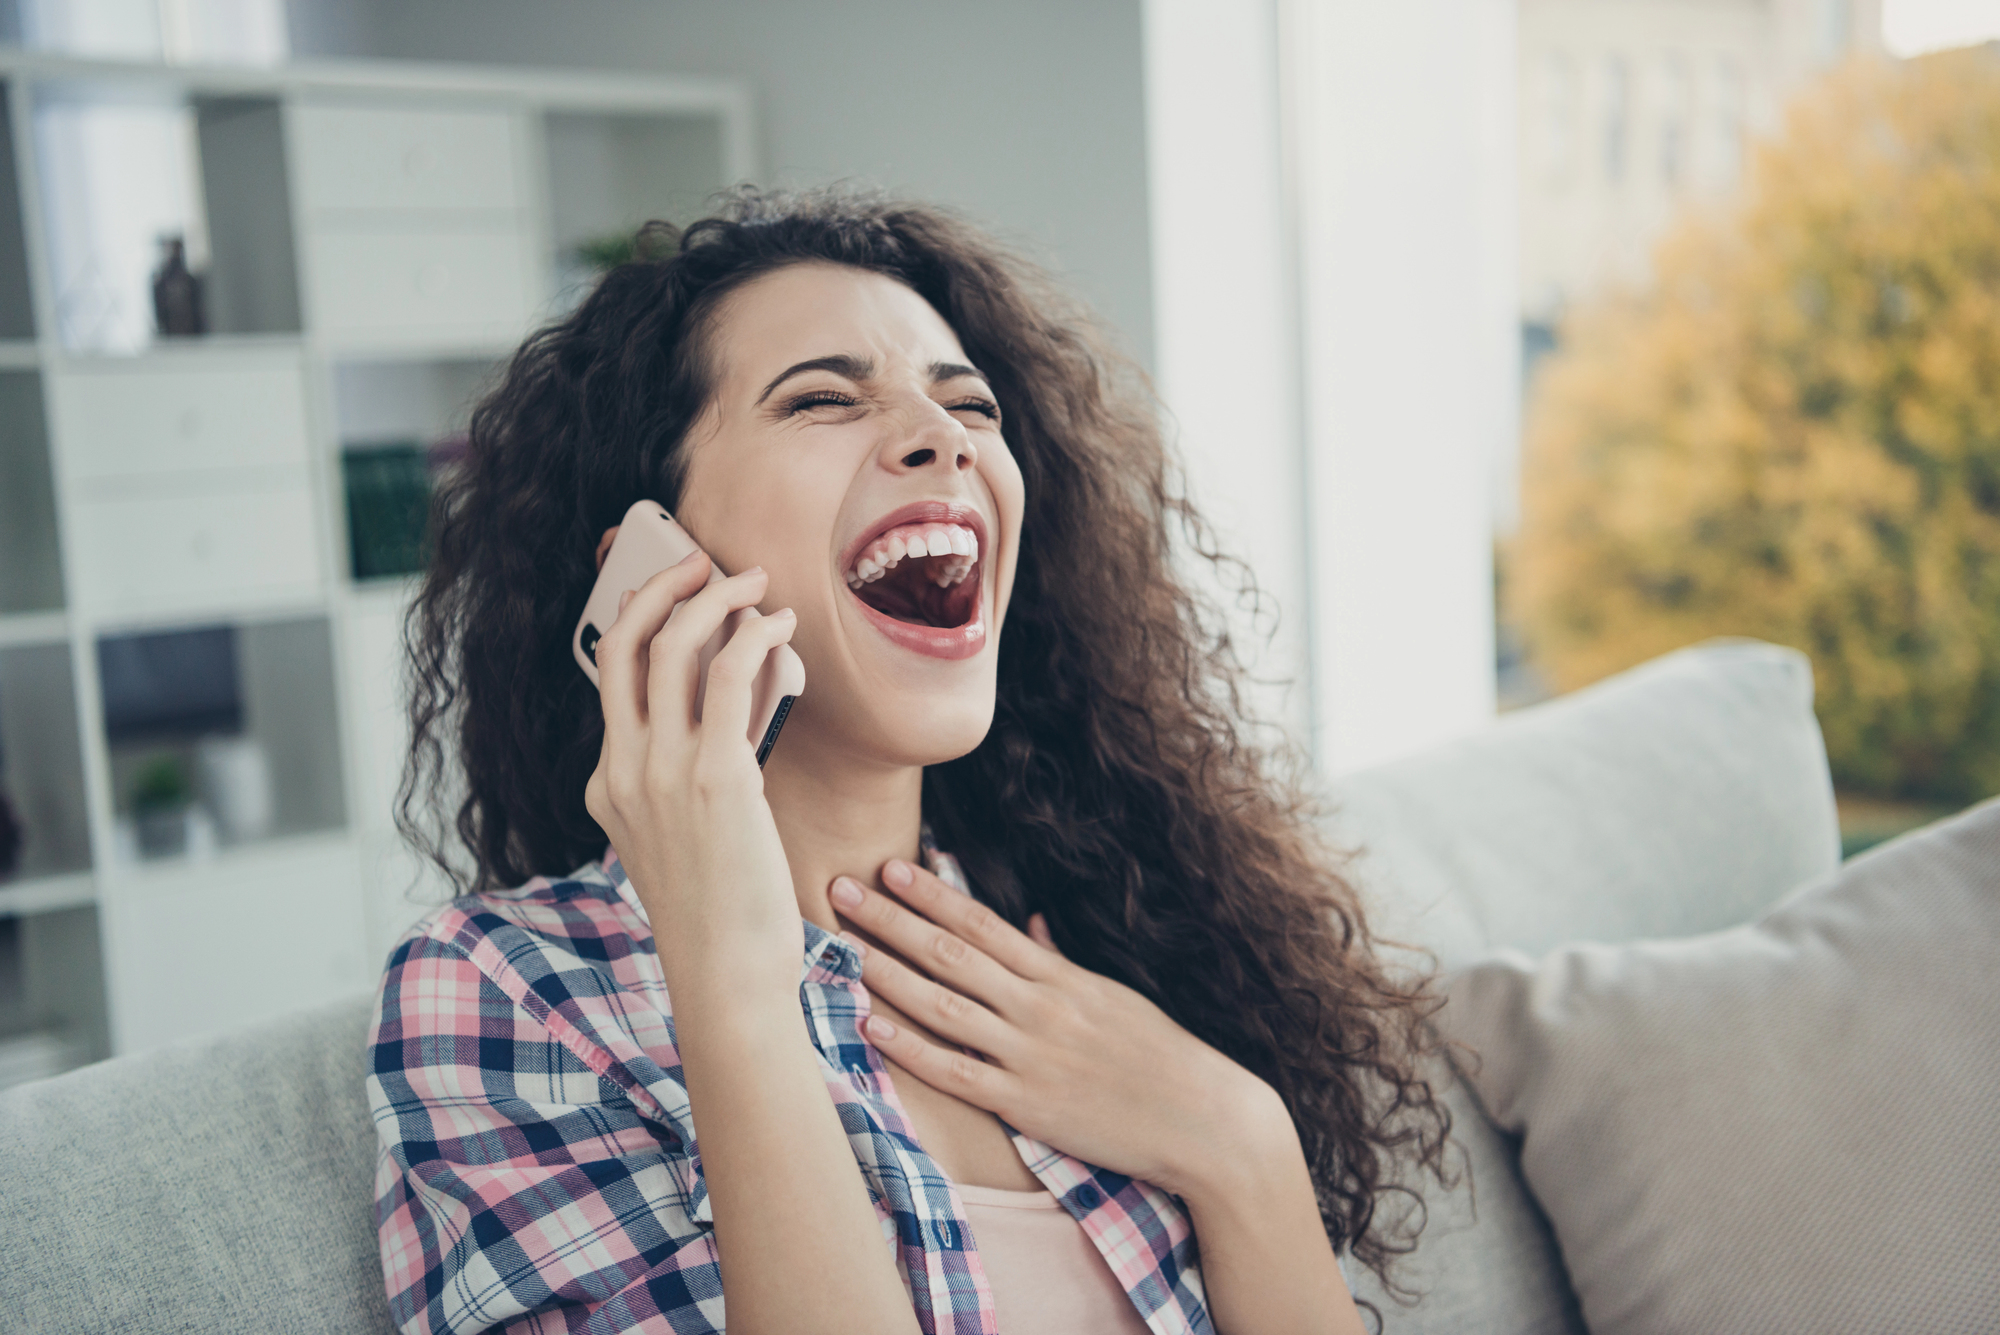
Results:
177 309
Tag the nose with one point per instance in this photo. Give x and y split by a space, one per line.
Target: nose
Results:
934 438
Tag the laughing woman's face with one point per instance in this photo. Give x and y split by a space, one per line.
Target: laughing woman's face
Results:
854 452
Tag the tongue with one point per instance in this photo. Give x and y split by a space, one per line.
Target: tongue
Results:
907 594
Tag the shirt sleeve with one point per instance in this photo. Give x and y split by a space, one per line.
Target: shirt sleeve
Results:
516 1189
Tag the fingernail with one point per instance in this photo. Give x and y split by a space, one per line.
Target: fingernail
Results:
623 599
860 946
689 557
898 874
784 612
753 570
846 893
880 1028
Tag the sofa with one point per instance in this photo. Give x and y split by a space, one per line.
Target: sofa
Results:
225 1185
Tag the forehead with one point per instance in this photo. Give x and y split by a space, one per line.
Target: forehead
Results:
816 310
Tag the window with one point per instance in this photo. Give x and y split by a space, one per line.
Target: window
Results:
1617 116
1558 116
1836 24
1728 122
1676 111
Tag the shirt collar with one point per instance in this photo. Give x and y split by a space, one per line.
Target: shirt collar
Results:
823 950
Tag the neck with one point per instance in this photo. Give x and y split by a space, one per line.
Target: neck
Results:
839 816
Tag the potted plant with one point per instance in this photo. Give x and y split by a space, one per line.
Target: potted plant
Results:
161 795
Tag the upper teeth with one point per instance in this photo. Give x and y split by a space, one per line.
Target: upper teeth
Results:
956 545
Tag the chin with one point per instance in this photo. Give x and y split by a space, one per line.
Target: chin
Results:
930 728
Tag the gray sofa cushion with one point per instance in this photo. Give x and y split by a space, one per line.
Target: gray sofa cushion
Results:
1684 795
224 1185
1788 1128
1486 1262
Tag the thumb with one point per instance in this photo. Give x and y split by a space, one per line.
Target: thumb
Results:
1038 932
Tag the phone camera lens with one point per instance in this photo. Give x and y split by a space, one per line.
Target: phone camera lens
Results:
589 641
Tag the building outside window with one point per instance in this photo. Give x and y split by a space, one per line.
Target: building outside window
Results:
1616 124
1676 112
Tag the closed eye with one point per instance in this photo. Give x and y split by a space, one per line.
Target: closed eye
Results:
978 405
820 398
833 398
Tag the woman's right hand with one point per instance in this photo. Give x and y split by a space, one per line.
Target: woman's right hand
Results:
683 801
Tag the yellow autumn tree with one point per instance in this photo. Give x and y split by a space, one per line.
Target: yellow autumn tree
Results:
1794 433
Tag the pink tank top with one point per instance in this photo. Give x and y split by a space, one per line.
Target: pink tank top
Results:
1047 1276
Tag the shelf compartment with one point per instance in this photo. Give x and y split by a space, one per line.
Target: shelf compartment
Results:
220 736
378 715
52 1010
41 762
427 399
253 279
610 174
17 310
30 557
399 423
122 166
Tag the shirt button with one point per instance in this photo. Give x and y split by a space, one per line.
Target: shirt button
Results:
1087 1197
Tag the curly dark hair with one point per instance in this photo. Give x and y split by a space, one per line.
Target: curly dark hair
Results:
1117 791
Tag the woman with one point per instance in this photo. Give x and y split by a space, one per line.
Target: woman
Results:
1144 1076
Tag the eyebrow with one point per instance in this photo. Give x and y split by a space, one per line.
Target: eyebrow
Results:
953 370
860 368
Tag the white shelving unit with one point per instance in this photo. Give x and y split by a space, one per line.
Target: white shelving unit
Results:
374 239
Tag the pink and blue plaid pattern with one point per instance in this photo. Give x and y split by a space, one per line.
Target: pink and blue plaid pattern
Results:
540 1172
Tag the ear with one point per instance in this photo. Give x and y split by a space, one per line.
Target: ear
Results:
604 544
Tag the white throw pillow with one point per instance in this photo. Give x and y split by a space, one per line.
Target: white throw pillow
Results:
1791 1126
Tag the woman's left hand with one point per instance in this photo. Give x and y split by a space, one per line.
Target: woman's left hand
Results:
1073 1059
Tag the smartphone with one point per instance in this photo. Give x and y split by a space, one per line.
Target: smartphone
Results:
648 542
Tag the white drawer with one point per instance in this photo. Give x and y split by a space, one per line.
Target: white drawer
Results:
399 286
402 158
218 547
196 948
143 422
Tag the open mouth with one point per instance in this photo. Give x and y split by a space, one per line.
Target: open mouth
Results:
921 567
923 574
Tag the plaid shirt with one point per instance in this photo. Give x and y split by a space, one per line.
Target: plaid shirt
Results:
540 1171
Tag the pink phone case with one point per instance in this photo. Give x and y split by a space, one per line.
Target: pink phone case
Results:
648 542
